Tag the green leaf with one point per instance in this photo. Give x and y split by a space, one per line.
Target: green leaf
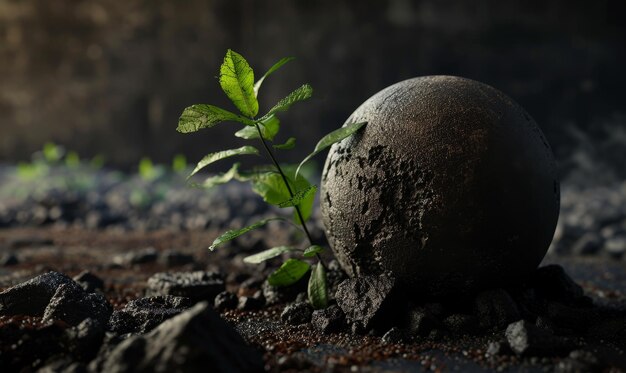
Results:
219 179
289 144
200 116
269 129
311 251
276 66
214 157
331 138
317 289
300 94
267 254
232 234
298 196
290 272
237 81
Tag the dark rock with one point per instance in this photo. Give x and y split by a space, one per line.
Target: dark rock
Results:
334 276
225 301
461 324
284 294
420 321
173 258
197 285
544 323
8 259
580 361
252 284
495 309
366 300
588 244
193 341
297 313
250 303
528 340
89 281
551 282
85 339
497 348
395 335
72 305
144 314
328 320
145 256
565 316
29 347
32 297
387 208
63 365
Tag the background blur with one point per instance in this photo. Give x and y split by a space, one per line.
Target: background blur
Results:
113 76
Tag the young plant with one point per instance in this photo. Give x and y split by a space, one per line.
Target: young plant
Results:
279 185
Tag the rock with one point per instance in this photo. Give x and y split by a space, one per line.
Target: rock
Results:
193 341
148 255
498 348
461 324
32 297
551 282
495 309
84 340
225 301
144 314
580 361
440 152
173 258
28 347
328 320
365 300
8 259
197 285
250 303
569 317
528 340
297 313
283 294
421 321
72 305
89 281
615 247
395 335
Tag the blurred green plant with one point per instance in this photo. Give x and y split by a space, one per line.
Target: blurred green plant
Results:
279 185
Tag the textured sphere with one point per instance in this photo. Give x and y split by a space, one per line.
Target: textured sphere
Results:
451 187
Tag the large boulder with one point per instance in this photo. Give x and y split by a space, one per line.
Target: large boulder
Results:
450 187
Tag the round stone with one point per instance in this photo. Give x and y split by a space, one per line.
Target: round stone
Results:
451 187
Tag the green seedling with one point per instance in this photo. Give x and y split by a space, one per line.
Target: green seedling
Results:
279 185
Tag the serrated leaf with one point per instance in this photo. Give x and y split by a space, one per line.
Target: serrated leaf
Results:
311 251
300 94
275 67
232 234
267 254
289 144
214 157
290 272
200 116
269 129
317 289
331 138
298 196
237 81
219 179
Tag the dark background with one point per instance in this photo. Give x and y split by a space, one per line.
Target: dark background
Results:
112 76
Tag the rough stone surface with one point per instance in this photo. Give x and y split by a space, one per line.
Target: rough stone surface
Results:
441 152
225 301
297 313
329 320
394 335
72 304
461 324
495 309
198 285
89 281
32 297
250 303
553 283
193 341
365 299
84 340
144 314
527 339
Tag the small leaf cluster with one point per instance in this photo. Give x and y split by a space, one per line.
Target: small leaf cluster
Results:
278 185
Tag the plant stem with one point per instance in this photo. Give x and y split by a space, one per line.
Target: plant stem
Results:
285 180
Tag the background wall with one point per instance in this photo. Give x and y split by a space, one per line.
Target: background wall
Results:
113 76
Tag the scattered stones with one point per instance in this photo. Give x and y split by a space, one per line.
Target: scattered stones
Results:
198 285
395 335
527 339
328 320
89 281
297 313
495 309
364 300
250 303
145 256
144 314
284 294
32 297
225 301
193 341
173 258
498 348
580 361
72 305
